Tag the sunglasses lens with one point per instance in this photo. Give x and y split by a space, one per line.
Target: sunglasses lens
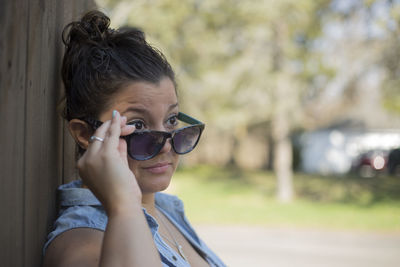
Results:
186 139
145 145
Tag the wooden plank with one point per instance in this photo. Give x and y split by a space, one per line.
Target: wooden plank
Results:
66 144
36 151
43 145
41 128
13 44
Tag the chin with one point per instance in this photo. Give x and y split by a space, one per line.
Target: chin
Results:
154 183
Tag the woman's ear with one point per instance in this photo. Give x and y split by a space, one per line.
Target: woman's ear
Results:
80 131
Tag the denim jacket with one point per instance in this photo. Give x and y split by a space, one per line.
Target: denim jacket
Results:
80 208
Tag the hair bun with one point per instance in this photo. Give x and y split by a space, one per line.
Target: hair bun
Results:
94 26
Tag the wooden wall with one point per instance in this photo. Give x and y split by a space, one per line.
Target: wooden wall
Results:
36 154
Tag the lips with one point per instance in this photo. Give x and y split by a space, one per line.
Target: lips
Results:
158 168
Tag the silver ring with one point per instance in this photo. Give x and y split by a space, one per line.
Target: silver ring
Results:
94 138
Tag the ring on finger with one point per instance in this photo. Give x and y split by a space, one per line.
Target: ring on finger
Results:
95 138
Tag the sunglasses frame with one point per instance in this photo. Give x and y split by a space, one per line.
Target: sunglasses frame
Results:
166 135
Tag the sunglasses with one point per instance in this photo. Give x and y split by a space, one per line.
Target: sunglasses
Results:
146 144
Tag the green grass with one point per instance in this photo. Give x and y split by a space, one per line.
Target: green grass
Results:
222 196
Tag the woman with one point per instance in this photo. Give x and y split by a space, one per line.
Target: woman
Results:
122 111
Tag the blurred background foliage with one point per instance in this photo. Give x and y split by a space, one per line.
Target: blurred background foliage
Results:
259 72
214 195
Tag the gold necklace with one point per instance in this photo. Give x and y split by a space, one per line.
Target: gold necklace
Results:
177 245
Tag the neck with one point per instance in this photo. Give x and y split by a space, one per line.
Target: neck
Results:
148 202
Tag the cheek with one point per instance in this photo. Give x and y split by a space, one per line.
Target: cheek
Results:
176 160
134 166
175 163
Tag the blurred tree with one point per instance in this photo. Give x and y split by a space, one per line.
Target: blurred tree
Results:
278 65
244 63
391 57
360 43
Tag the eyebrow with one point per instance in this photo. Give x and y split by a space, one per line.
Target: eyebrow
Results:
173 106
145 111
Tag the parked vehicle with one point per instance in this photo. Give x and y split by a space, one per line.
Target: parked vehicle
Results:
371 163
394 162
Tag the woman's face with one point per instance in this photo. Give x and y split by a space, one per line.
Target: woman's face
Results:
155 107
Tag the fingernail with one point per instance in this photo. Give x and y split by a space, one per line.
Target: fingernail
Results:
114 113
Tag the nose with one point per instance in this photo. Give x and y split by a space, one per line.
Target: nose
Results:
167 146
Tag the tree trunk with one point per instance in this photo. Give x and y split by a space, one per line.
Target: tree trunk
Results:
283 158
282 96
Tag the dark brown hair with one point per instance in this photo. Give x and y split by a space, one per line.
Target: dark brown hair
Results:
99 60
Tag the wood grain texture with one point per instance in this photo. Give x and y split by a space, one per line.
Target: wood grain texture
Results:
12 118
37 153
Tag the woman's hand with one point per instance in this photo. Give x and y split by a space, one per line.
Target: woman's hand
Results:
104 166
127 239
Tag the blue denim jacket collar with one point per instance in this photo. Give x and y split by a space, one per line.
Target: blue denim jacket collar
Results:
72 196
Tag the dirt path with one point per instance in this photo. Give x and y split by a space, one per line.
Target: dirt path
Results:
258 247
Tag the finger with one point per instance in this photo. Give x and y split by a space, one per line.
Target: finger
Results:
127 129
122 146
114 131
101 133
122 149
123 121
